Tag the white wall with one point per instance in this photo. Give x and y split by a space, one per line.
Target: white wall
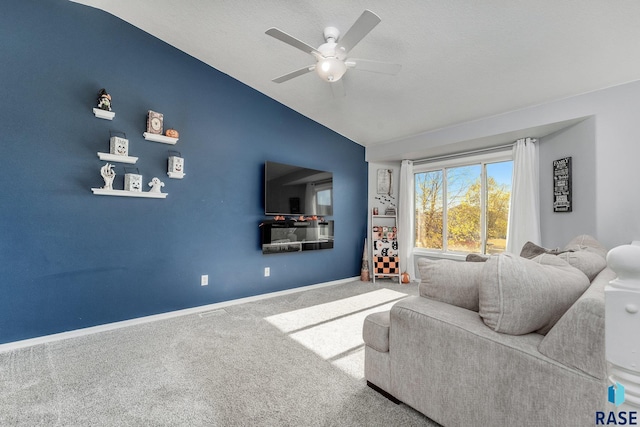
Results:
616 112
578 142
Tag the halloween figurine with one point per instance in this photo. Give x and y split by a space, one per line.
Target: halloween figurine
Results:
108 174
104 100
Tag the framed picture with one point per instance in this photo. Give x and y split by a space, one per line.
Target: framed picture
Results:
562 185
384 181
154 122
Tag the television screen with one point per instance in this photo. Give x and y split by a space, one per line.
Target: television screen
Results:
296 190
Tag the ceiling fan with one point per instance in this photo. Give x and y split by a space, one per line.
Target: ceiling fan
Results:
332 60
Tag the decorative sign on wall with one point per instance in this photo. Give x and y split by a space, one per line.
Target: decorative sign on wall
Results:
384 181
562 185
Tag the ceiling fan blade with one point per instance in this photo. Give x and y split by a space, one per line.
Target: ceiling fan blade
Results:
293 74
337 88
363 25
373 66
292 41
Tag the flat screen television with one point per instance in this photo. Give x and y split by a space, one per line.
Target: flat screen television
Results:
296 190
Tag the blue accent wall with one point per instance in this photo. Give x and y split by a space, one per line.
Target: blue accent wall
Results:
70 259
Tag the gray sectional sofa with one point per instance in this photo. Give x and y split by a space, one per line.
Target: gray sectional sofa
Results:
510 341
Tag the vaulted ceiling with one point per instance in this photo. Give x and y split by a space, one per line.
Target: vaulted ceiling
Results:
461 60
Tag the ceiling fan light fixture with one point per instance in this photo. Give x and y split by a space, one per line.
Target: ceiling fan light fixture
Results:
331 69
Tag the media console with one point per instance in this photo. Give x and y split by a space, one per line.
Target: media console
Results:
296 236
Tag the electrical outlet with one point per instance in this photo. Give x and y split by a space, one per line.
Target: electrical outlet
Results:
267 271
204 280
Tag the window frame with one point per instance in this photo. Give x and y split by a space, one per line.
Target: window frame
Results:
462 160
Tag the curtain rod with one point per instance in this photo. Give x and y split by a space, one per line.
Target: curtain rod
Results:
463 154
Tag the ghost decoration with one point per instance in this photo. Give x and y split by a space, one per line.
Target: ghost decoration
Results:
156 185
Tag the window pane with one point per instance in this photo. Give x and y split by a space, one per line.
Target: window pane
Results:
463 209
323 202
428 204
498 196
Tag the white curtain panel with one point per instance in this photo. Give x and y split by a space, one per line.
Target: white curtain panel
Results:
405 218
524 212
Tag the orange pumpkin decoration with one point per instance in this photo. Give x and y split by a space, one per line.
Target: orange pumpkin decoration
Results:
405 277
172 133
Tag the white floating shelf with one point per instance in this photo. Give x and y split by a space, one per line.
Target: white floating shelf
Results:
148 194
159 138
176 175
104 114
117 158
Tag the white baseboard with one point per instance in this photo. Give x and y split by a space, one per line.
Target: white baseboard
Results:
168 315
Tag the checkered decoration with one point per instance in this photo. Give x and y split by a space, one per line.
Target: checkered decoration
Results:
386 265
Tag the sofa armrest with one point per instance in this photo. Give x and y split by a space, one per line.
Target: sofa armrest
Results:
375 331
577 340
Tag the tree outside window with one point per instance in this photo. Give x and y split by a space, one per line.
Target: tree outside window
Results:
475 215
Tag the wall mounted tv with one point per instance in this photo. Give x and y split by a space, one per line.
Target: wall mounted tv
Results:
296 190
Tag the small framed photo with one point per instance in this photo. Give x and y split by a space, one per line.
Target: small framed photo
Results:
154 122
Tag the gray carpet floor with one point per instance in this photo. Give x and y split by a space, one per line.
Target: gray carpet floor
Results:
291 360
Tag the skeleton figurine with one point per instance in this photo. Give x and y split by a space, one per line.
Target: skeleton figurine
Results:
155 185
108 174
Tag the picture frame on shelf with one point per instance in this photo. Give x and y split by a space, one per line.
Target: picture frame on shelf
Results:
155 122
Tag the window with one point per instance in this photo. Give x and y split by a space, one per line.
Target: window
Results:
324 199
462 205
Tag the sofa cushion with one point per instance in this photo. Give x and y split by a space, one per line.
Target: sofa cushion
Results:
518 295
453 282
375 331
587 243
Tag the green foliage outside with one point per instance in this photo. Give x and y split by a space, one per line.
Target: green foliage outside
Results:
463 212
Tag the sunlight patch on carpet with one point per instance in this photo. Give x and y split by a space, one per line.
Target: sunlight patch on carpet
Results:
334 330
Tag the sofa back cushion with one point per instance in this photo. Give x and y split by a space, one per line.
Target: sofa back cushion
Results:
518 296
453 282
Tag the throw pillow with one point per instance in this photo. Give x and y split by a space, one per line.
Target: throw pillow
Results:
587 243
476 258
452 282
590 263
531 250
518 295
